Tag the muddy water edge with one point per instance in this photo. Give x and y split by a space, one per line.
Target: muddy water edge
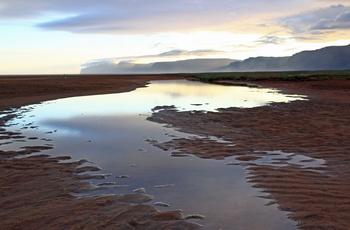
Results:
314 199
111 132
36 191
318 130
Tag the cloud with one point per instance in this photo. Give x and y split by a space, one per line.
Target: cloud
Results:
142 16
129 17
177 53
318 21
271 40
342 21
118 16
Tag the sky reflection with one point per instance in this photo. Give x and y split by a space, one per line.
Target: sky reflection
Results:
110 130
185 95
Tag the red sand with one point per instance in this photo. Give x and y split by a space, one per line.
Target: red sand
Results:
318 128
35 191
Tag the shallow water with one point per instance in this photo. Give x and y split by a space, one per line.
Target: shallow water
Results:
280 159
112 132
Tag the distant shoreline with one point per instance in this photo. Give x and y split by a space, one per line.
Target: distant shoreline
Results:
19 90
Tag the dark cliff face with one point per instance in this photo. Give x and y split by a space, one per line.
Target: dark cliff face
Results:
260 64
328 58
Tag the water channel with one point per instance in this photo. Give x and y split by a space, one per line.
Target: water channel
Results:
110 131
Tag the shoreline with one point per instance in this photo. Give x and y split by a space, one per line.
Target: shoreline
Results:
316 197
18 91
309 128
37 190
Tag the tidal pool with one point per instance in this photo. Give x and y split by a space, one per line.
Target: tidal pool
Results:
112 132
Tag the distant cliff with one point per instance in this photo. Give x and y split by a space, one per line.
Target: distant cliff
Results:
183 66
328 58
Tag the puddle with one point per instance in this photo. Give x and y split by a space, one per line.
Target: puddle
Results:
279 158
112 131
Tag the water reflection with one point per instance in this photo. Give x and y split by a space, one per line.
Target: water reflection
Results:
282 159
185 95
111 131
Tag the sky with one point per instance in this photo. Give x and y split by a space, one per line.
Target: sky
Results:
63 36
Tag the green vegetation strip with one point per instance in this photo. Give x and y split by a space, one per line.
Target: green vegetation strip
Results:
279 76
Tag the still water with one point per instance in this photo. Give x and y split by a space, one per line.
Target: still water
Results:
111 131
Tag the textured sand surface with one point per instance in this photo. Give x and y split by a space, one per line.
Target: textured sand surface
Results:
317 197
35 191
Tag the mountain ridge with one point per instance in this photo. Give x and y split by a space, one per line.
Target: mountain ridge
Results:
327 58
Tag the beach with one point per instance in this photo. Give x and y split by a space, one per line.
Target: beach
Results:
315 197
36 190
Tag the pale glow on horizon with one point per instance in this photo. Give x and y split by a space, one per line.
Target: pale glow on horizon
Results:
63 37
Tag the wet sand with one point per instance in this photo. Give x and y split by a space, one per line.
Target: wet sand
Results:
36 191
317 197
23 90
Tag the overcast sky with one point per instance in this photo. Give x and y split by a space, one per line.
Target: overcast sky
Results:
62 36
